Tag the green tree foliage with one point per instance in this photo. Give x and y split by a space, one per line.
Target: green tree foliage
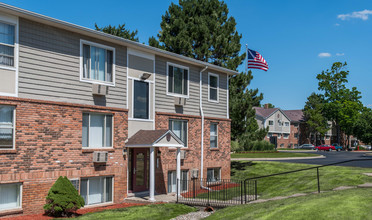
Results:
63 199
119 31
201 29
363 126
244 127
313 112
342 104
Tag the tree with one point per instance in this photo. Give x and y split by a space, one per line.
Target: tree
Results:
339 99
313 112
119 31
244 126
363 126
201 29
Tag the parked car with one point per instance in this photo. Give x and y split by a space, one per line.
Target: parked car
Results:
306 147
325 147
368 147
338 147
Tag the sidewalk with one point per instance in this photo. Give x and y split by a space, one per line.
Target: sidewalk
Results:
281 158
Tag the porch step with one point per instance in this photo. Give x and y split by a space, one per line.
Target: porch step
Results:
139 194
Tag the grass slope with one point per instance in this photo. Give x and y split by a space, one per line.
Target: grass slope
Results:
153 212
300 182
347 204
271 155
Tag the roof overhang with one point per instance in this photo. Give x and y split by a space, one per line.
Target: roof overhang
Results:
108 37
154 138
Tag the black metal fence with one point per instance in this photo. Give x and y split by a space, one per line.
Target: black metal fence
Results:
216 193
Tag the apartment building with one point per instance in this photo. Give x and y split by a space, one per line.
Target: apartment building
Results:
115 116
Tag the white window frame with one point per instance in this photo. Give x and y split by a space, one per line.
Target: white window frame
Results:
76 179
286 124
218 87
188 81
219 174
12 20
20 196
132 107
296 135
104 137
285 135
269 134
272 122
187 129
279 135
103 177
13 127
174 172
82 79
210 134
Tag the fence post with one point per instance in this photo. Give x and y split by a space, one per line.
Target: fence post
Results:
177 189
255 189
208 193
193 187
245 191
317 174
241 192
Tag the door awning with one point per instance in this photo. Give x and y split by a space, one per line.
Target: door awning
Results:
154 138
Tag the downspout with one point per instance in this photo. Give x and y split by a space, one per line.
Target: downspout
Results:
202 128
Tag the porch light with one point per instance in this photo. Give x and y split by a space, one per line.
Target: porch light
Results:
145 76
125 152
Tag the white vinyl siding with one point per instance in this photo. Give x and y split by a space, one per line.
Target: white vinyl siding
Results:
97 130
10 196
7 127
97 190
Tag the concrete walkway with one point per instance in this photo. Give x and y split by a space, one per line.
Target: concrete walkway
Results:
166 198
280 158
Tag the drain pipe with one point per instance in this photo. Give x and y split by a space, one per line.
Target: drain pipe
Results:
202 128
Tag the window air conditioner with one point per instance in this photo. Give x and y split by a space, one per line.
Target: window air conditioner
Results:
100 156
183 154
178 101
98 89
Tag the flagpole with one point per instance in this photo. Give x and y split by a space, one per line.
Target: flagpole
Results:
246 54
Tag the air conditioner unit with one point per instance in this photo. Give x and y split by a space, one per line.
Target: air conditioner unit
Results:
178 101
194 173
98 89
183 154
100 156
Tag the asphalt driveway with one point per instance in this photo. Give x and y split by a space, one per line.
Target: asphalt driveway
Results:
334 157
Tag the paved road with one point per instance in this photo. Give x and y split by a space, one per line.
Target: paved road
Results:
334 157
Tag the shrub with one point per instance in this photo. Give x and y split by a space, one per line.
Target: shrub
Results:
236 147
259 146
63 199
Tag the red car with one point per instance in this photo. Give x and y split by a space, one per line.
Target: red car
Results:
325 147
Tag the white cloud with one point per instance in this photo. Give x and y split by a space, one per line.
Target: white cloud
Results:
322 55
339 54
356 14
337 24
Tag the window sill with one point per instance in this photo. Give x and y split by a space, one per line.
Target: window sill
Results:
214 149
177 95
11 211
98 82
91 150
98 205
213 101
8 151
8 67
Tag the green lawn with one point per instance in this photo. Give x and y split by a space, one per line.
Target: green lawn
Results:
271 155
346 204
283 185
153 212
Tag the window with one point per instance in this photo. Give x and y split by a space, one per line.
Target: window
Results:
178 80
97 130
75 183
98 62
141 100
286 136
269 135
96 190
7 44
296 125
10 196
179 128
327 137
286 124
214 135
271 122
213 174
279 136
172 181
213 84
296 135
6 127
280 123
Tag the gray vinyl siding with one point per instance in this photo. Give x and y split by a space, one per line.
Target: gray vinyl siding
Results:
213 109
164 102
49 67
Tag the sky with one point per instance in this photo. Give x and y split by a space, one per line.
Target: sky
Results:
298 39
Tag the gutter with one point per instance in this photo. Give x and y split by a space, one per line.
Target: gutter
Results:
202 129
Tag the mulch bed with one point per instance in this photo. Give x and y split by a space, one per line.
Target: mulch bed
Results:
83 211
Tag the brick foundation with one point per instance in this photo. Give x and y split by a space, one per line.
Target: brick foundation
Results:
49 144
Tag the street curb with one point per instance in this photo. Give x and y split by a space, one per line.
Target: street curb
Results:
282 158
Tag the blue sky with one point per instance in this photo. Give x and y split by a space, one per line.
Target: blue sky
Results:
291 36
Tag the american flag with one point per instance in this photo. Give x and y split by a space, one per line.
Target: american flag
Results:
256 61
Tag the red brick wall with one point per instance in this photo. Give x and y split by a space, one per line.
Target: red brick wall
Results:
49 145
212 157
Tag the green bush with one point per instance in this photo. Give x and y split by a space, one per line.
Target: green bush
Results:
236 147
63 199
259 146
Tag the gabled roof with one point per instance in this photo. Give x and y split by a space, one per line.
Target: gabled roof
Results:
295 115
267 112
107 37
154 138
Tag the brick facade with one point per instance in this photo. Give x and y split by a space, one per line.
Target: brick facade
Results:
48 144
213 158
